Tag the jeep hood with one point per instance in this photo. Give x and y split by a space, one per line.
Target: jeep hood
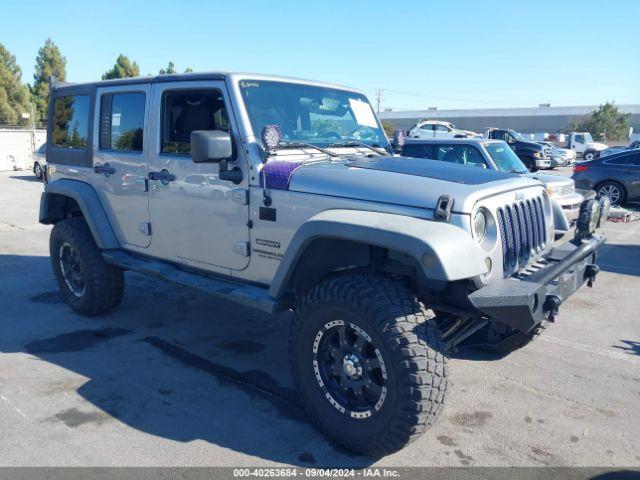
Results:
413 182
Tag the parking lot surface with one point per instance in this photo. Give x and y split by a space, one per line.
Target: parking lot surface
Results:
175 378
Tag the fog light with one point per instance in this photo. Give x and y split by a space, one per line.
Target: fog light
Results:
489 264
588 218
605 206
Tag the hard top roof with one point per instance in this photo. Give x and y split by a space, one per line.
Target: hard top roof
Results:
198 76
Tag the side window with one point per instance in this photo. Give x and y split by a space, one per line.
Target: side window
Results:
70 121
428 126
418 151
579 138
442 128
184 111
451 154
474 157
499 135
122 121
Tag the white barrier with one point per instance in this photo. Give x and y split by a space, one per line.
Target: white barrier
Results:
17 146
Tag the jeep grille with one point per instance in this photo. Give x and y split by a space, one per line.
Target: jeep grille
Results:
522 232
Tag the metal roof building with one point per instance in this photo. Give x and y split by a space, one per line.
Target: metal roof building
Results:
529 120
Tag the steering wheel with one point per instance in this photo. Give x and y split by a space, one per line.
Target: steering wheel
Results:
335 135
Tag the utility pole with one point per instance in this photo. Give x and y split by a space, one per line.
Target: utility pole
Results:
378 100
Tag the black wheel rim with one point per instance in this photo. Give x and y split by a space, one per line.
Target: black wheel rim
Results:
70 267
349 369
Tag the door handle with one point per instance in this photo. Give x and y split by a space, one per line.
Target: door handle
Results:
105 169
163 175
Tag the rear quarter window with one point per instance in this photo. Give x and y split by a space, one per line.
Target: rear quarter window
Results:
70 122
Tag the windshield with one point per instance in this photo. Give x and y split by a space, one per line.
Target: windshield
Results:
588 138
505 158
518 136
310 114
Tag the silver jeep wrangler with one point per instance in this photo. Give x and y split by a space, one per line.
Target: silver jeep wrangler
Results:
285 194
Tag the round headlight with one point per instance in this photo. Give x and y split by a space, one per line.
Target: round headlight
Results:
589 217
479 225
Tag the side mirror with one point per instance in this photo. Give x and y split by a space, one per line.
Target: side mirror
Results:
210 146
481 165
398 141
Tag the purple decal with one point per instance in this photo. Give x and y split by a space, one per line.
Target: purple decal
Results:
278 173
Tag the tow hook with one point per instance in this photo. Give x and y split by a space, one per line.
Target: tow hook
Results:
551 306
590 274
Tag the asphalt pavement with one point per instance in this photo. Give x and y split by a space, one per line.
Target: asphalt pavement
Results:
175 378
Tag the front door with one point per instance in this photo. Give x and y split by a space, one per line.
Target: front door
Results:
120 160
196 218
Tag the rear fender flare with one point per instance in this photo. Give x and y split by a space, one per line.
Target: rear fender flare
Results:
89 203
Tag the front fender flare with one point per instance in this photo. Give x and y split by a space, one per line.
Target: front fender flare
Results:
87 199
445 252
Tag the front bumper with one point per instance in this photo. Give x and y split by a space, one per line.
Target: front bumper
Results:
570 205
525 300
543 162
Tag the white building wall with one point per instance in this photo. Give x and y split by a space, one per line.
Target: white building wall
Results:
17 146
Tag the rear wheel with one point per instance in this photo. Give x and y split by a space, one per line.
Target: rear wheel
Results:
90 285
368 362
613 190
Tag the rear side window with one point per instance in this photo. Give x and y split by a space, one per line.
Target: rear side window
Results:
70 121
122 121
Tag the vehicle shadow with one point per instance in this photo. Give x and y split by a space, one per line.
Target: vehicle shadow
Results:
26 178
620 258
169 362
631 347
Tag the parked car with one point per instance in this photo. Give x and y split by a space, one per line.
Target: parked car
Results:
584 146
313 219
497 155
620 148
615 176
560 157
532 154
438 129
40 161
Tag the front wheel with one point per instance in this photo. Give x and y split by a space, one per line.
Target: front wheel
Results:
368 362
589 155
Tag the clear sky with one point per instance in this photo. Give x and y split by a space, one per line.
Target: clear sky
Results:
449 54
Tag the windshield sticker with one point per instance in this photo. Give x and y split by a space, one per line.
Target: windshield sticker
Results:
363 113
247 84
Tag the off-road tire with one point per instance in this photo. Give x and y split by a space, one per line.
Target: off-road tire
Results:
103 283
404 331
37 170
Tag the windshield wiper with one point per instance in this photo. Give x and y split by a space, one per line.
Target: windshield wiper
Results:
355 143
306 145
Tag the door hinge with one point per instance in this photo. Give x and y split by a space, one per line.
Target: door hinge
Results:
241 248
145 228
240 195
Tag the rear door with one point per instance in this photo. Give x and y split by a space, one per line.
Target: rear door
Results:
120 160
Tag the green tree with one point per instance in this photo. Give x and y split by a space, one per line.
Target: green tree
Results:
604 123
188 70
123 68
389 128
49 62
14 96
171 69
